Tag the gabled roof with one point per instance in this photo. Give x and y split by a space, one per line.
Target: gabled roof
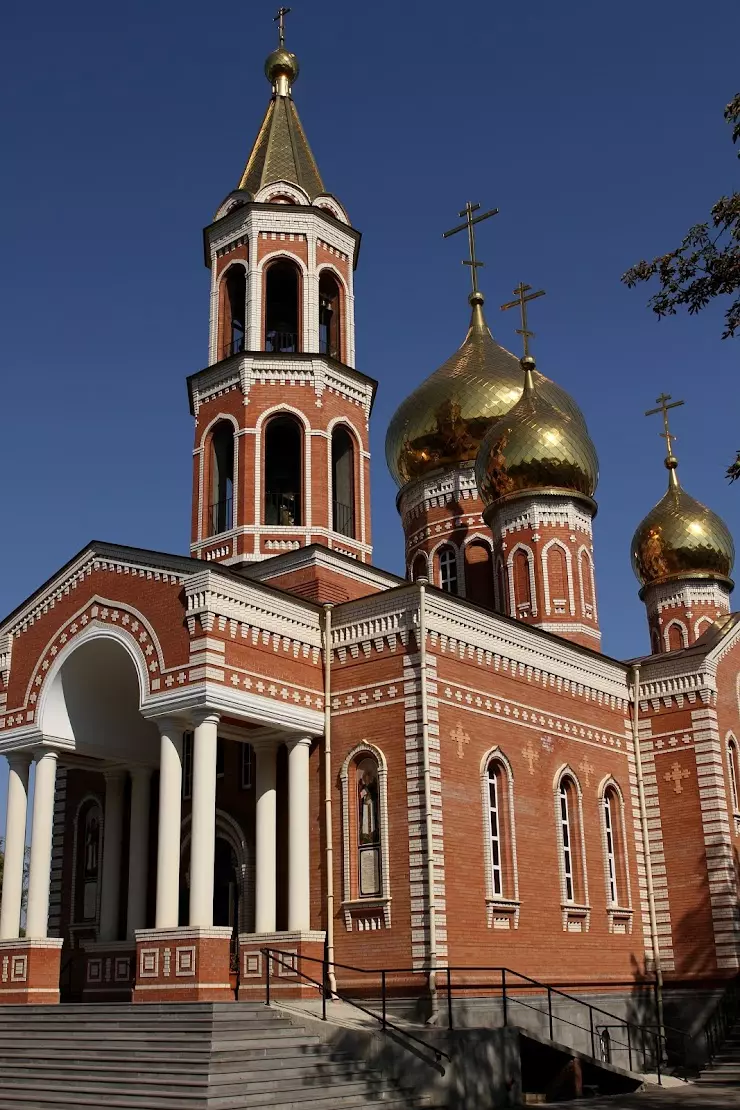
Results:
281 152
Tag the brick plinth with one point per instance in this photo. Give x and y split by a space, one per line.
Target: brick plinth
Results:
29 971
110 970
299 951
183 965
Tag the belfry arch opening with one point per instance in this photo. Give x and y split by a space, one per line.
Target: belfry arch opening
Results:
233 309
282 307
330 332
343 482
283 472
221 509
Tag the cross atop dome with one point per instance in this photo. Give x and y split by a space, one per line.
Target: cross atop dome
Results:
280 20
470 222
522 301
671 461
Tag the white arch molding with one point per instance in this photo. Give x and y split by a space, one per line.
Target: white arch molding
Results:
610 783
698 630
202 467
459 563
92 923
508 907
583 550
568 571
675 622
340 421
532 585
281 253
280 410
566 771
382 901
282 189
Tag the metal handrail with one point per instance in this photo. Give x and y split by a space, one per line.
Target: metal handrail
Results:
654 1033
277 954
722 1018
281 342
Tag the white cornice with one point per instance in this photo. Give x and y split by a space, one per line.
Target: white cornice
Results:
209 595
325 559
289 218
268 712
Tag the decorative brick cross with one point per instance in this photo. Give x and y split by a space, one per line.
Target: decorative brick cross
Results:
531 755
675 775
586 769
461 738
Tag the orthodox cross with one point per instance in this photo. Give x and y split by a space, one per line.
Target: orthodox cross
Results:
461 738
663 406
531 755
675 775
470 223
280 20
522 301
586 769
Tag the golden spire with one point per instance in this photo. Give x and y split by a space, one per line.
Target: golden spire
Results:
522 301
476 297
671 461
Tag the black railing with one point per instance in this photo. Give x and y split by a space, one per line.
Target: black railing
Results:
222 516
236 345
281 342
283 509
290 964
722 1019
344 519
643 1046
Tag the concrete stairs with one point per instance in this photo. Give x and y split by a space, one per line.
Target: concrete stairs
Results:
200 1056
724 1070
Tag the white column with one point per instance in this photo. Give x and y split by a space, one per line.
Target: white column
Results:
170 815
110 902
15 845
203 827
266 829
37 915
299 889
138 850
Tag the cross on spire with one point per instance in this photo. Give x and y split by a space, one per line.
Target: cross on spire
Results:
470 223
280 20
663 406
522 301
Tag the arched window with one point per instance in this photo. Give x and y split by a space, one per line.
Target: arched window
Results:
675 636
88 861
366 899
368 828
522 584
479 574
587 584
503 589
558 584
502 883
233 310
282 315
570 841
614 847
283 472
655 641
222 478
343 482
330 334
419 567
447 559
733 768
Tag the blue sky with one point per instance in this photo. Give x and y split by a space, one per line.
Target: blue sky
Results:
596 129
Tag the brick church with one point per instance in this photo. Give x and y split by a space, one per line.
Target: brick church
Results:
273 742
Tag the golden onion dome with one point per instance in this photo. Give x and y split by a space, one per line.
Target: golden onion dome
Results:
281 63
443 422
536 447
681 538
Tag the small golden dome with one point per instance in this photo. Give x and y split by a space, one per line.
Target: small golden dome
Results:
281 63
443 422
681 538
536 447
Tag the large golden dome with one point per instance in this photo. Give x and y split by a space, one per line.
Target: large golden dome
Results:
536 447
444 420
681 538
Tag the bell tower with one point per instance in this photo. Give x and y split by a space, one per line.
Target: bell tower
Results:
281 457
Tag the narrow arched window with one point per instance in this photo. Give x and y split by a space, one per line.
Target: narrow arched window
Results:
368 828
479 574
495 803
655 641
675 636
570 837
88 862
343 482
283 472
502 883
587 586
503 589
233 310
330 335
557 579
522 584
448 570
419 567
732 764
222 478
282 308
612 836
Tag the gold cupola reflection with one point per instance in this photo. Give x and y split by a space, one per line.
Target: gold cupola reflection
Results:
443 422
681 538
537 447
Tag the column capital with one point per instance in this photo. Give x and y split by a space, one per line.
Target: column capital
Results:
298 741
204 716
44 753
169 724
19 761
